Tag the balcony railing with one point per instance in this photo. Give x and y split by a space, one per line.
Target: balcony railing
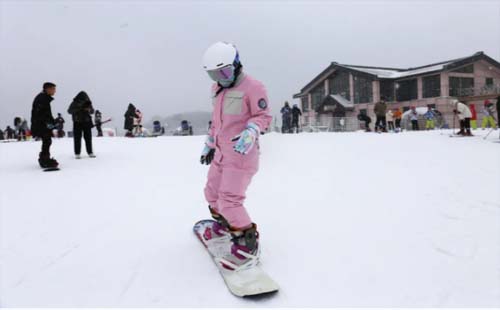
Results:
475 91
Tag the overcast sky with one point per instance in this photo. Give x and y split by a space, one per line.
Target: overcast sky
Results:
149 52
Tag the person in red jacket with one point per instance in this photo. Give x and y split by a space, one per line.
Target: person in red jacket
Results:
473 120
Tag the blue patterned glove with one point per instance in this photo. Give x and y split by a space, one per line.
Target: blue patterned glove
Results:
246 139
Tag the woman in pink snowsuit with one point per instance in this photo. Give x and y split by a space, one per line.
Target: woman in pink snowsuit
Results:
240 114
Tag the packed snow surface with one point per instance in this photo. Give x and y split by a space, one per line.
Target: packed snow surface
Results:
346 219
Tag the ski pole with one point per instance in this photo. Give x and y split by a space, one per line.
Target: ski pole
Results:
491 130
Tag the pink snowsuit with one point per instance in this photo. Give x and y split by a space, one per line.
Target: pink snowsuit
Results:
230 172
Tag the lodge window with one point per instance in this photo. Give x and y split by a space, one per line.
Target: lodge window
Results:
489 81
431 86
407 90
461 86
305 103
362 89
317 95
387 90
339 84
465 69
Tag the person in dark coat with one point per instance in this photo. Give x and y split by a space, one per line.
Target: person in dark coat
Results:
129 119
296 114
81 109
380 110
365 118
98 122
1 135
42 123
10 133
60 125
286 117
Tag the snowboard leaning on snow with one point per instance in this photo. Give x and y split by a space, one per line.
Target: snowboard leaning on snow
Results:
243 283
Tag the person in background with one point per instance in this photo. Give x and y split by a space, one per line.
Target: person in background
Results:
9 133
389 116
473 119
42 123
365 118
380 109
1 135
60 125
296 114
498 108
464 115
286 116
488 119
129 120
98 122
414 119
138 123
397 118
81 110
429 119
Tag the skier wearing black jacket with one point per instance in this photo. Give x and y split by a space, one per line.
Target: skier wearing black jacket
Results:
129 119
42 123
81 110
296 114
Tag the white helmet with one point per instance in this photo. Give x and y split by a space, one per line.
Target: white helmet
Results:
220 54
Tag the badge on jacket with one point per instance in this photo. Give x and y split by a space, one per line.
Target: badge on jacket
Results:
262 104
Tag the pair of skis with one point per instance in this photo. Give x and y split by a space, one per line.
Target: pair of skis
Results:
250 281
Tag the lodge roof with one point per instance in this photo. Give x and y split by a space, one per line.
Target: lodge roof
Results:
397 73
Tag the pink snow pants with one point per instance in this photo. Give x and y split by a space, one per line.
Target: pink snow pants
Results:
228 178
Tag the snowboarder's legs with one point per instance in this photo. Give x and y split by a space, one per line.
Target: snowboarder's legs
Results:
77 138
227 184
87 136
414 125
488 120
99 130
46 143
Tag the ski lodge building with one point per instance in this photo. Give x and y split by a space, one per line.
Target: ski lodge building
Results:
345 90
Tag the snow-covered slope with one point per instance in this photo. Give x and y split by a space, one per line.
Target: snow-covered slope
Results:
351 219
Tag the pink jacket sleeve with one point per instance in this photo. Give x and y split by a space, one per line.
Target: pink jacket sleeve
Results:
259 107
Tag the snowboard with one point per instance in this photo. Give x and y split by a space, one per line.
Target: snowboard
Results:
51 169
252 282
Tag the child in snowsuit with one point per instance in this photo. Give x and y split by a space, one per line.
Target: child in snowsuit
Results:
429 119
389 116
488 119
473 119
397 118
414 119
240 114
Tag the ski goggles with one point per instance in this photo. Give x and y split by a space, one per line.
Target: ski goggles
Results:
224 74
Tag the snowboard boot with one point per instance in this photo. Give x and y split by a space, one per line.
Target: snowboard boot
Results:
52 163
43 160
461 133
245 250
78 156
468 133
92 155
220 228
